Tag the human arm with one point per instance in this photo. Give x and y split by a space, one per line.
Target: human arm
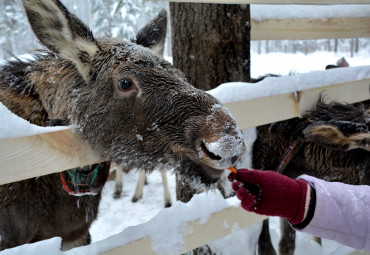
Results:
340 212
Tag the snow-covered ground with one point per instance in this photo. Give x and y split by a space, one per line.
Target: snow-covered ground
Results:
283 64
117 214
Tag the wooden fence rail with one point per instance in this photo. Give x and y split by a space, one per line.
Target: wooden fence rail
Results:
26 157
304 29
202 233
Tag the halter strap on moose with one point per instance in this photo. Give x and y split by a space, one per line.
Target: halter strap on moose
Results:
80 182
288 156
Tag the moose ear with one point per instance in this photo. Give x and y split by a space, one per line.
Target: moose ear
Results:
153 35
61 32
338 136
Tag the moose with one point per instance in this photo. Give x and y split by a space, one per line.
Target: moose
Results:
127 103
329 142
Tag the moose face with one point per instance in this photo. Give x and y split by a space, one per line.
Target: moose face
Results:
140 105
133 107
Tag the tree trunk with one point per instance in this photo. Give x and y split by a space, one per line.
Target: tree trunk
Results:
211 42
357 45
352 47
211 45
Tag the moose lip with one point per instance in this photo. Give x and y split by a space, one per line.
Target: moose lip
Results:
209 154
191 165
212 171
202 168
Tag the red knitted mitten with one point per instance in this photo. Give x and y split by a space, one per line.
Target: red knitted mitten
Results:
273 194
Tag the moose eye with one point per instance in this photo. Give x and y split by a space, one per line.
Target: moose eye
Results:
124 84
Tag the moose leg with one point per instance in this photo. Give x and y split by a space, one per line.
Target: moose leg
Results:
84 239
166 191
139 187
287 241
264 242
119 183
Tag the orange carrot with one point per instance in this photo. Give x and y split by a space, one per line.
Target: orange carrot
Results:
232 169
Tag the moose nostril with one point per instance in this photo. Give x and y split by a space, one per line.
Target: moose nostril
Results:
210 154
234 159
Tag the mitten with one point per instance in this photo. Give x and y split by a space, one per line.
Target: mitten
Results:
273 194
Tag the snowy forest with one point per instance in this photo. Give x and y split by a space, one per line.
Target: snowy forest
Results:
122 18
106 18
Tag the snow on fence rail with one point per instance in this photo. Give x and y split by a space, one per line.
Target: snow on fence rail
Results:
32 156
215 218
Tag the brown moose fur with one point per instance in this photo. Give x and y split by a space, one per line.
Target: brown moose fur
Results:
335 141
127 103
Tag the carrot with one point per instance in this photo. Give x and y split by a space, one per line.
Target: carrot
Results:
232 169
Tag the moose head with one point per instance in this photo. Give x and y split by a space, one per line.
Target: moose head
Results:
129 104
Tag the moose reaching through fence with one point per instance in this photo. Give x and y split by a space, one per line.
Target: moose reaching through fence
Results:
131 106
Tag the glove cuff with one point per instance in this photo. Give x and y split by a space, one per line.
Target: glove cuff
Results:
304 203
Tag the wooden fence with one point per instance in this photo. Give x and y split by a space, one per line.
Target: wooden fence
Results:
26 157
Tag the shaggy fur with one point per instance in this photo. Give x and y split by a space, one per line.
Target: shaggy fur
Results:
130 105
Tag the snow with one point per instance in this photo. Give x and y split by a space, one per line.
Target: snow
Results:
307 69
284 64
50 246
238 91
169 239
13 126
117 215
263 12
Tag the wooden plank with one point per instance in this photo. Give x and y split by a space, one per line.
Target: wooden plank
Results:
304 29
32 156
27 157
259 111
215 228
316 2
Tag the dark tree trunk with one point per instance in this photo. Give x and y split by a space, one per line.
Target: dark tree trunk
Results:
211 42
211 45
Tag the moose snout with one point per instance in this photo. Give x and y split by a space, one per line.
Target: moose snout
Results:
222 153
221 142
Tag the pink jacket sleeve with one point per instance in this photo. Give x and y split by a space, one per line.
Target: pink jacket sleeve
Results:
342 213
